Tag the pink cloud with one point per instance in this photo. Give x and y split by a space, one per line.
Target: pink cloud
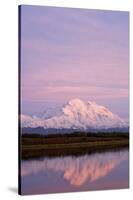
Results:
68 92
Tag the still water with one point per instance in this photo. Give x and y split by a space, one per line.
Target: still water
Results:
106 170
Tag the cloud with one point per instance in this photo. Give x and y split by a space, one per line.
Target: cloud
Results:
64 93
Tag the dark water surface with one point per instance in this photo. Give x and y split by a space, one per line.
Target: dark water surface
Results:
106 170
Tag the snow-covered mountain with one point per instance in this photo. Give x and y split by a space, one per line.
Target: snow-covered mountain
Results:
49 112
76 115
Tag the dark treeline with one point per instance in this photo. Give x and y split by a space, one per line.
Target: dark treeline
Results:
77 137
77 134
36 154
36 145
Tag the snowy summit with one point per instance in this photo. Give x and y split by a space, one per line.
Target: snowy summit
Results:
78 115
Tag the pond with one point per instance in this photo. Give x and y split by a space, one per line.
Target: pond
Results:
95 171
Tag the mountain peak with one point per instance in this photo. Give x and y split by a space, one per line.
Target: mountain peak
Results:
76 102
73 107
79 103
79 115
78 107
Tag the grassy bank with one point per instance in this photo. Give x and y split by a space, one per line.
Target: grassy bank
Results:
66 144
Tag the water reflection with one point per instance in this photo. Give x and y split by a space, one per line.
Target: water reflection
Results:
76 170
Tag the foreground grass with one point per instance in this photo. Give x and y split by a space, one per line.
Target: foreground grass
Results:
66 144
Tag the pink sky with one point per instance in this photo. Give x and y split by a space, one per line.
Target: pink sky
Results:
74 53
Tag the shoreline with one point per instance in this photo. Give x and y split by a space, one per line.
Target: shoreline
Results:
34 146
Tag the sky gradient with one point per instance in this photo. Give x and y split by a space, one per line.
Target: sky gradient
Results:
74 53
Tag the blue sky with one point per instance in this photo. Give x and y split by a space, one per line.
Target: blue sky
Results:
74 53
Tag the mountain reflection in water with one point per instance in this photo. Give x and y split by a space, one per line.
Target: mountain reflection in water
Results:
76 170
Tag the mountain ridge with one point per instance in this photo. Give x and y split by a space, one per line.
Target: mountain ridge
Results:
77 115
